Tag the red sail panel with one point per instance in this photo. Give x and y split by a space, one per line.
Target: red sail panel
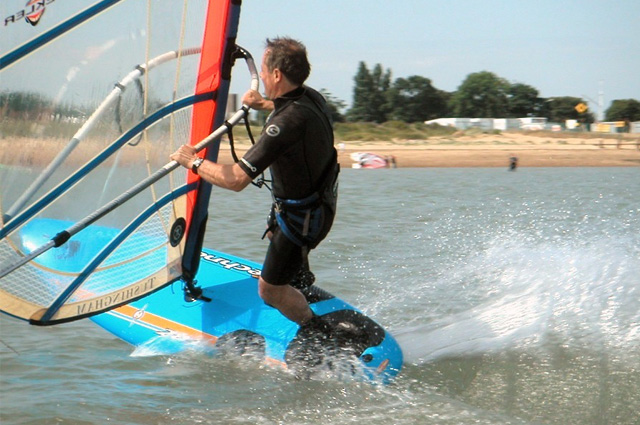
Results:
209 77
219 39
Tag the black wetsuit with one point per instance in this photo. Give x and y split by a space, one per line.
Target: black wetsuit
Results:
297 144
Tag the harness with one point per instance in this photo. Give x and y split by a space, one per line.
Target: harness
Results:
303 221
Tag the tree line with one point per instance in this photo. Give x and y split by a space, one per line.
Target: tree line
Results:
32 106
376 98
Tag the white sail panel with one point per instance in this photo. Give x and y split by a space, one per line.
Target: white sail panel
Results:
97 107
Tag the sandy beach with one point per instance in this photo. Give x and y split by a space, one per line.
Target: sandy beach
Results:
457 150
494 150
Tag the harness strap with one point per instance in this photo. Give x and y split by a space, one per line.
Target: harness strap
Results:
302 220
230 136
305 226
261 181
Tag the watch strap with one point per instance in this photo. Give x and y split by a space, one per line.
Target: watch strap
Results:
196 164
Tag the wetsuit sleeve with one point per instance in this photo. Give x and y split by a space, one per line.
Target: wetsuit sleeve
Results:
277 138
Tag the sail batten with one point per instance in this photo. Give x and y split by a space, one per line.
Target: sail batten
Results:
63 255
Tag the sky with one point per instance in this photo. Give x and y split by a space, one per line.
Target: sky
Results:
586 48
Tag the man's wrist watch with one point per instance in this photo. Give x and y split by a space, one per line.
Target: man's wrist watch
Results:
196 164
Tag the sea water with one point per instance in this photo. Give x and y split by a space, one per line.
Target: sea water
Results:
515 296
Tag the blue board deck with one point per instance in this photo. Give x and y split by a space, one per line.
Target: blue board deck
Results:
235 311
229 311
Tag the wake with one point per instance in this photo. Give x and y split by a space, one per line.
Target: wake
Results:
542 295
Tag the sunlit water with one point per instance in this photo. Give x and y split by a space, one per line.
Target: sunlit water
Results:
515 295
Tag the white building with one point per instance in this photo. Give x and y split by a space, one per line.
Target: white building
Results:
487 124
533 123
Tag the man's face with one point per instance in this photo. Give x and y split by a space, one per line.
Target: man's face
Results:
267 77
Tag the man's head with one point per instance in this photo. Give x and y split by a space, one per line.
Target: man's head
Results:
284 66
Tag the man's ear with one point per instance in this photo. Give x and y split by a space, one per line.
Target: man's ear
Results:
277 75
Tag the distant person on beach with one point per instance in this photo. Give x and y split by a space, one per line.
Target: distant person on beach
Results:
513 162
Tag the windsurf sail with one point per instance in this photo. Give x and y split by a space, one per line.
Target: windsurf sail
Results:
93 100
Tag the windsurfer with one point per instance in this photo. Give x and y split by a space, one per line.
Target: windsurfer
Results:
297 145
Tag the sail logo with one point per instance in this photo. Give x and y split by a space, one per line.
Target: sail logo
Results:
120 297
32 12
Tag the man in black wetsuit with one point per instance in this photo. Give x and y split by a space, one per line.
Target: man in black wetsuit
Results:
297 144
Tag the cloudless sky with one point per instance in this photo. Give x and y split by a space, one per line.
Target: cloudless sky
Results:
560 47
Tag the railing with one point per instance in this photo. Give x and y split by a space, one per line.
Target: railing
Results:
620 143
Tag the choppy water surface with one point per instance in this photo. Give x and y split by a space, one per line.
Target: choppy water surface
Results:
516 297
